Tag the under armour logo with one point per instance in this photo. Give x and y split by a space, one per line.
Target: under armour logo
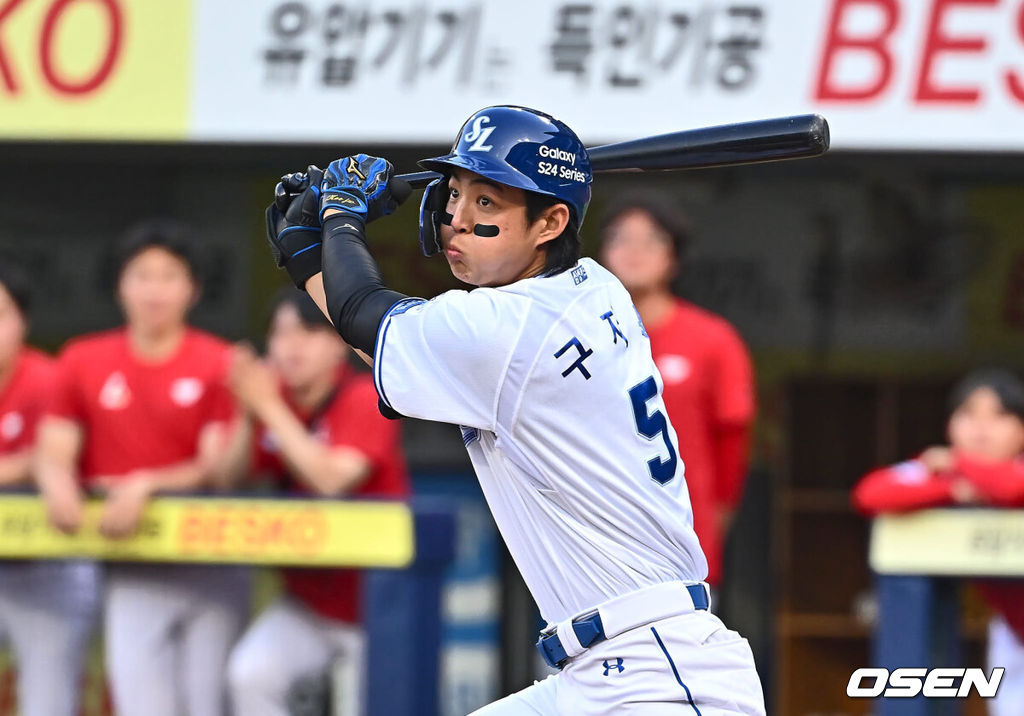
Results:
479 134
609 666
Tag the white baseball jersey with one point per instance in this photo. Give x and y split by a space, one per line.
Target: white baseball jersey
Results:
552 381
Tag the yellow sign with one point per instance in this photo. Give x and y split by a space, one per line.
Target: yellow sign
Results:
286 532
95 69
970 542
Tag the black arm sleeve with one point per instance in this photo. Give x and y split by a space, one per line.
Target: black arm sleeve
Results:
357 299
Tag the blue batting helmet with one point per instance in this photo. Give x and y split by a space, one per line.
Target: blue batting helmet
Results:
515 146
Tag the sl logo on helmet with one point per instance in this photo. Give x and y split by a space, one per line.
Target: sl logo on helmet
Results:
479 134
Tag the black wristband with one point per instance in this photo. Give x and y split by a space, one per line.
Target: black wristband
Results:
305 265
342 223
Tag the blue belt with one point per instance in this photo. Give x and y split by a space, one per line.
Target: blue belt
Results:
590 630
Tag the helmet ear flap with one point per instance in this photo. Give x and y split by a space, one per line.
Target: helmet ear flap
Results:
432 210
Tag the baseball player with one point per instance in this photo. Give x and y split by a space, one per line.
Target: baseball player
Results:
984 464
547 368
320 432
139 411
47 608
706 369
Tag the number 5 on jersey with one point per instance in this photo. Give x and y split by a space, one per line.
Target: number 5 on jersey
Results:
650 426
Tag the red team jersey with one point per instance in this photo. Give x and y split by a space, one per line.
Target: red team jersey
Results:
912 486
709 396
137 414
349 419
23 399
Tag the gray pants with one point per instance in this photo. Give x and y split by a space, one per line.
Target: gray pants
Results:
169 631
47 614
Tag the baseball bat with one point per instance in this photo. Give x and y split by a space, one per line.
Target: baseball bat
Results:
763 140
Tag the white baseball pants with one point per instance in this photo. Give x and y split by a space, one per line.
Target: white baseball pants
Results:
686 665
1005 649
289 642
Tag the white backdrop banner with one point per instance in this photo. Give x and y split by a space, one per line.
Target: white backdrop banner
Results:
888 74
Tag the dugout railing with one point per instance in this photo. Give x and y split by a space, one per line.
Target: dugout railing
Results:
404 549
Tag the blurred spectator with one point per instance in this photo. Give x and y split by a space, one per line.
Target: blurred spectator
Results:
319 432
705 368
983 464
137 411
47 608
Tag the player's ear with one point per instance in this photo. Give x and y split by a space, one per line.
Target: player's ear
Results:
552 222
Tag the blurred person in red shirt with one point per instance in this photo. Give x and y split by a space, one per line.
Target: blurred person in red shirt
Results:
139 411
47 607
319 432
705 367
982 465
